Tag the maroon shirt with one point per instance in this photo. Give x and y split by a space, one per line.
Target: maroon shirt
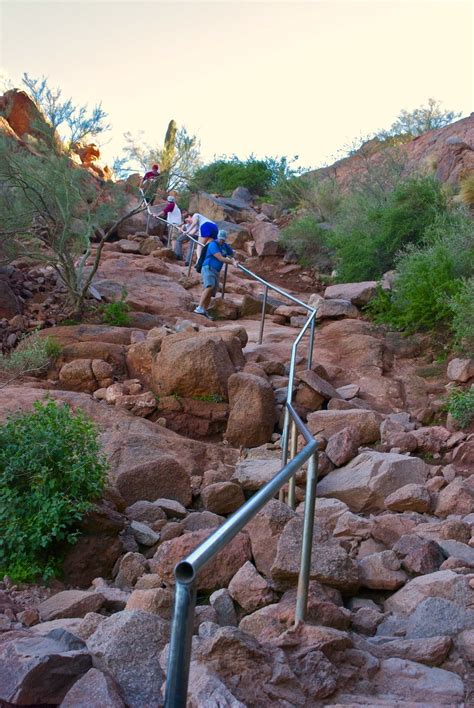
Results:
150 175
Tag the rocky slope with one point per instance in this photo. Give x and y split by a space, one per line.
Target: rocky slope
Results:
391 606
447 152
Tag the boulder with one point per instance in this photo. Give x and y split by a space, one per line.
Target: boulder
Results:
372 476
222 497
456 498
126 646
40 669
264 676
237 234
331 309
460 370
132 566
86 375
381 571
215 574
222 208
417 683
253 474
444 584
93 690
330 563
266 236
411 497
358 293
436 616
156 601
250 393
264 531
249 589
70 603
364 424
342 446
192 366
163 477
222 603
429 650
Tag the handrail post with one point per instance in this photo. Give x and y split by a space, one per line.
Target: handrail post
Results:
264 307
293 452
307 540
191 256
284 448
224 281
147 222
179 657
311 343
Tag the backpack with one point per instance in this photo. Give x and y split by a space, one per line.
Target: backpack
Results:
202 258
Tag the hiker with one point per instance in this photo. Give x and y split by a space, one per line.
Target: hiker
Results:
216 254
148 177
183 238
202 227
172 213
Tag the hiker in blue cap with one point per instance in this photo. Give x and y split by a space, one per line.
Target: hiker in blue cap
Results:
217 253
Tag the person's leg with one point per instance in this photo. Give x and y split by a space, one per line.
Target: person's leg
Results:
178 246
206 298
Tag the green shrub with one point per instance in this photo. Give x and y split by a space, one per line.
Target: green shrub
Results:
116 313
461 406
225 174
51 470
462 312
309 241
429 285
371 231
33 355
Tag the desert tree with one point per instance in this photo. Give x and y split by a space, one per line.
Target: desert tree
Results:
51 211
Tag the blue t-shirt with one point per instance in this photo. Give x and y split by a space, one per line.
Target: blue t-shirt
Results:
214 248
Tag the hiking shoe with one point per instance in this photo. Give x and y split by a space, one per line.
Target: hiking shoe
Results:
201 311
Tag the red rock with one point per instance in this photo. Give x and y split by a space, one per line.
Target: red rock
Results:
460 370
36 670
249 589
132 566
381 571
342 446
93 690
264 531
357 293
456 498
163 477
248 392
222 497
70 603
411 497
266 237
444 584
215 574
157 601
364 424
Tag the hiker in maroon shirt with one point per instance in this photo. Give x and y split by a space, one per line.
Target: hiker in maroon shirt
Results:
149 176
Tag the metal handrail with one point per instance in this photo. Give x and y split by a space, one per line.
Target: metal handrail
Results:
186 570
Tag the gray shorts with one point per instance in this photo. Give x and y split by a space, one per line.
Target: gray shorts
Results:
210 278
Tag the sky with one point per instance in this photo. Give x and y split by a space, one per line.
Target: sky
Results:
247 77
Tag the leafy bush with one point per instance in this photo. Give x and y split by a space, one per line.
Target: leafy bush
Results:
309 241
461 406
462 312
466 193
370 231
33 355
225 174
429 279
51 471
116 313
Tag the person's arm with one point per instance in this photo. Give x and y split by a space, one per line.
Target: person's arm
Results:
223 259
193 228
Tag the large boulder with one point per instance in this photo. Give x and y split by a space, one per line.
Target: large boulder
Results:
70 603
357 293
94 689
249 393
364 424
162 477
237 234
86 375
266 237
126 646
367 480
222 208
215 574
330 563
192 366
264 531
443 584
37 669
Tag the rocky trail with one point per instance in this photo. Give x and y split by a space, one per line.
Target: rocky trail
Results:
190 413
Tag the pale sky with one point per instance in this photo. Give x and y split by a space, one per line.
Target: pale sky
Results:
269 78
